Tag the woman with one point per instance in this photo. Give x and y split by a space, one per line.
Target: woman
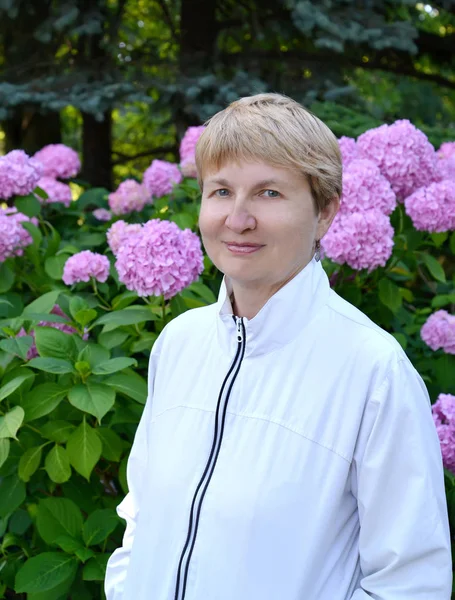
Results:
287 449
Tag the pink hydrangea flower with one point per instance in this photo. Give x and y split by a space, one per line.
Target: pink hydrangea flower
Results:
161 260
349 150
438 332
365 188
160 178
432 208
55 190
188 150
363 240
19 174
118 232
84 265
403 153
445 165
58 160
102 214
444 418
446 150
13 237
130 195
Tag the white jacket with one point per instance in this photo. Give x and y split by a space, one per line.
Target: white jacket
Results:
292 456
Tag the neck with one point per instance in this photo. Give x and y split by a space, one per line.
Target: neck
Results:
247 300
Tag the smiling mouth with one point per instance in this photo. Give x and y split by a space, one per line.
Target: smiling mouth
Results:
243 248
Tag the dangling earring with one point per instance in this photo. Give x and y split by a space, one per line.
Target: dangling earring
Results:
317 254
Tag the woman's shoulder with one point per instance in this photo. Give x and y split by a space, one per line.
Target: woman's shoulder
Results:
193 322
357 329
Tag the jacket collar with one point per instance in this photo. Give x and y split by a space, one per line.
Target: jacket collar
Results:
281 318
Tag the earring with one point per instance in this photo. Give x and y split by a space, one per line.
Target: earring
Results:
317 253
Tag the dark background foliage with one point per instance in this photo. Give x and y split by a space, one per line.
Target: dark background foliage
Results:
122 79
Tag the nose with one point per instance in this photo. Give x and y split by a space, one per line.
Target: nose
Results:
240 218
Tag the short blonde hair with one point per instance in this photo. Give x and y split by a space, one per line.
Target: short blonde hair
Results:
277 130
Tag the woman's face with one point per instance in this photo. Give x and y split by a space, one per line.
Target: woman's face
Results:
259 223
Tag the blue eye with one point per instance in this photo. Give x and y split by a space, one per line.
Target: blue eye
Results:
272 194
222 193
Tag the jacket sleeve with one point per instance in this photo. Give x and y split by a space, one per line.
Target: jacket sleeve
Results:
128 509
398 480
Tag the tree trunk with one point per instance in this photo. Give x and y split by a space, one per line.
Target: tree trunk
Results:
198 35
97 150
29 130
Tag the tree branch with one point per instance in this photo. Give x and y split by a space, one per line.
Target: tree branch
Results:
124 158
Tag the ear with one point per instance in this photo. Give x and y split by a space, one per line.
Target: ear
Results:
326 217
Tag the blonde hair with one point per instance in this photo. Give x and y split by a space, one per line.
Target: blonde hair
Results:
277 130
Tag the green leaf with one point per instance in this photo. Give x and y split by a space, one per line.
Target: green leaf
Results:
19 346
10 423
12 494
98 526
51 342
56 517
54 265
57 431
444 368
132 386
57 465
95 569
439 238
452 243
94 354
83 317
84 449
438 301
113 365
93 197
434 267
12 386
28 205
29 462
7 277
51 365
84 554
4 450
127 316
44 572
113 339
43 304
389 294
112 444
401 339
203 291
68 544
123 300
42 400
122 474
93 398
53 242
76 304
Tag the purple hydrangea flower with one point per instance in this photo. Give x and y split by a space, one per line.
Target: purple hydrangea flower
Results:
130 195
444 418
363 240
161 260
438 332
403 153
84 265
58 160
13 237
102 214
188 150
160 178
432 208
55 190
118 232
349 150
365 188
19 174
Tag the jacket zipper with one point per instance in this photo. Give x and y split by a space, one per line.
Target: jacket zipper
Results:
201 489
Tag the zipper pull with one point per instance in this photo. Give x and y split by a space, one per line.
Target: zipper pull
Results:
239 330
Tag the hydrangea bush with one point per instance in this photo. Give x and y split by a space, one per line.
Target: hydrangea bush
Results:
87 285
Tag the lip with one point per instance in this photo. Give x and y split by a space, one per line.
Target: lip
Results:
243 248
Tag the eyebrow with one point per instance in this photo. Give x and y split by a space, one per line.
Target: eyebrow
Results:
259 184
